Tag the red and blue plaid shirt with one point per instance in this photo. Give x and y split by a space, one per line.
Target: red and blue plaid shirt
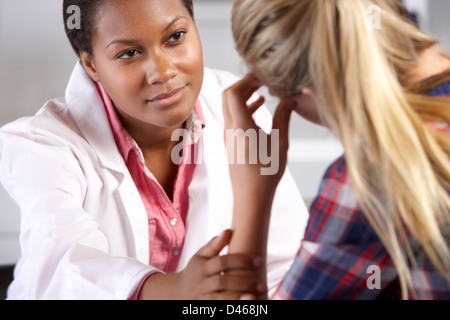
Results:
341 256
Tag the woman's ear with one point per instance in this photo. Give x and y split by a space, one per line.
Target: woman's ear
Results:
89 66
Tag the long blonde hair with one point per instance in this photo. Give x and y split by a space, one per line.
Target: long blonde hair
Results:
398 164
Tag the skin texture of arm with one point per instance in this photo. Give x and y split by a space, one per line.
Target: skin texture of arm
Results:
253 191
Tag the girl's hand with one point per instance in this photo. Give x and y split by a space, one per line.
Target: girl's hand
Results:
249 177
209 276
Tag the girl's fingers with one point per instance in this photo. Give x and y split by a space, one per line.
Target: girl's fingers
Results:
235 97
215 246
281 120
247 86
252 108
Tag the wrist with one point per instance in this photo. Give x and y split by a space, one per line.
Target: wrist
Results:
158 286
251 221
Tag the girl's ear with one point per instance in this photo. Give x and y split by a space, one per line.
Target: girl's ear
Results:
89 66
306 92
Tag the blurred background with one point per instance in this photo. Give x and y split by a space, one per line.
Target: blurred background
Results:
36 61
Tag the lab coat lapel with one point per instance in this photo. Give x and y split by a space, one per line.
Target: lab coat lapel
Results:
137 214
83 100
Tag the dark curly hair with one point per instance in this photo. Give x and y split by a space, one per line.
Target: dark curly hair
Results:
81 38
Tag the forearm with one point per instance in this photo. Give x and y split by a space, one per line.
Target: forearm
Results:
253 190
250 227
159 286
251 220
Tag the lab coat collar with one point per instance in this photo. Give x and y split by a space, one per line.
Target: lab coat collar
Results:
86 106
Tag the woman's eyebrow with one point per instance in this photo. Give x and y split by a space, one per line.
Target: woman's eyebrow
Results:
131 41
177 18
124 41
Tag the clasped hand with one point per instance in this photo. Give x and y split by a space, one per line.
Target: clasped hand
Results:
209 276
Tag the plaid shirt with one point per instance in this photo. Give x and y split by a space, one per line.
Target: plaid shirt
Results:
341 256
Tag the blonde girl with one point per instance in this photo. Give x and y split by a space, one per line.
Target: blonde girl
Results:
379 227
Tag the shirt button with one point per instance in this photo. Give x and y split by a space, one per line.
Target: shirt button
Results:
173 222
176 252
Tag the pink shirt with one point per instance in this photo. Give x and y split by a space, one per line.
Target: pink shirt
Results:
166 219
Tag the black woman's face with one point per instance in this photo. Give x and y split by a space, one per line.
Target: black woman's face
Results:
148 57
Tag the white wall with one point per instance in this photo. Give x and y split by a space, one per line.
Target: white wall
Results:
36 61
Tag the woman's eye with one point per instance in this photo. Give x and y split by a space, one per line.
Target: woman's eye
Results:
177 36
128 54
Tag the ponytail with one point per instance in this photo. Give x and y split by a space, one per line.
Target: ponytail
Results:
398 167
398 164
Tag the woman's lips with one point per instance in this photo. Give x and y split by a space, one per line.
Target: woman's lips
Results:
168 99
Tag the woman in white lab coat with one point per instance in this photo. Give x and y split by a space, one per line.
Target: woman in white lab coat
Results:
87 231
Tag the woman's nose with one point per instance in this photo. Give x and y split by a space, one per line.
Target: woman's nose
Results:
161 69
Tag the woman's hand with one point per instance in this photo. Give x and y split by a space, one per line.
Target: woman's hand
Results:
209 276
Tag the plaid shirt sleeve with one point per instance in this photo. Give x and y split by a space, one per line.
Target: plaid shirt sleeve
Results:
341 255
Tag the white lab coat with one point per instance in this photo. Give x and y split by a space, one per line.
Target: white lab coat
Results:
84 231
